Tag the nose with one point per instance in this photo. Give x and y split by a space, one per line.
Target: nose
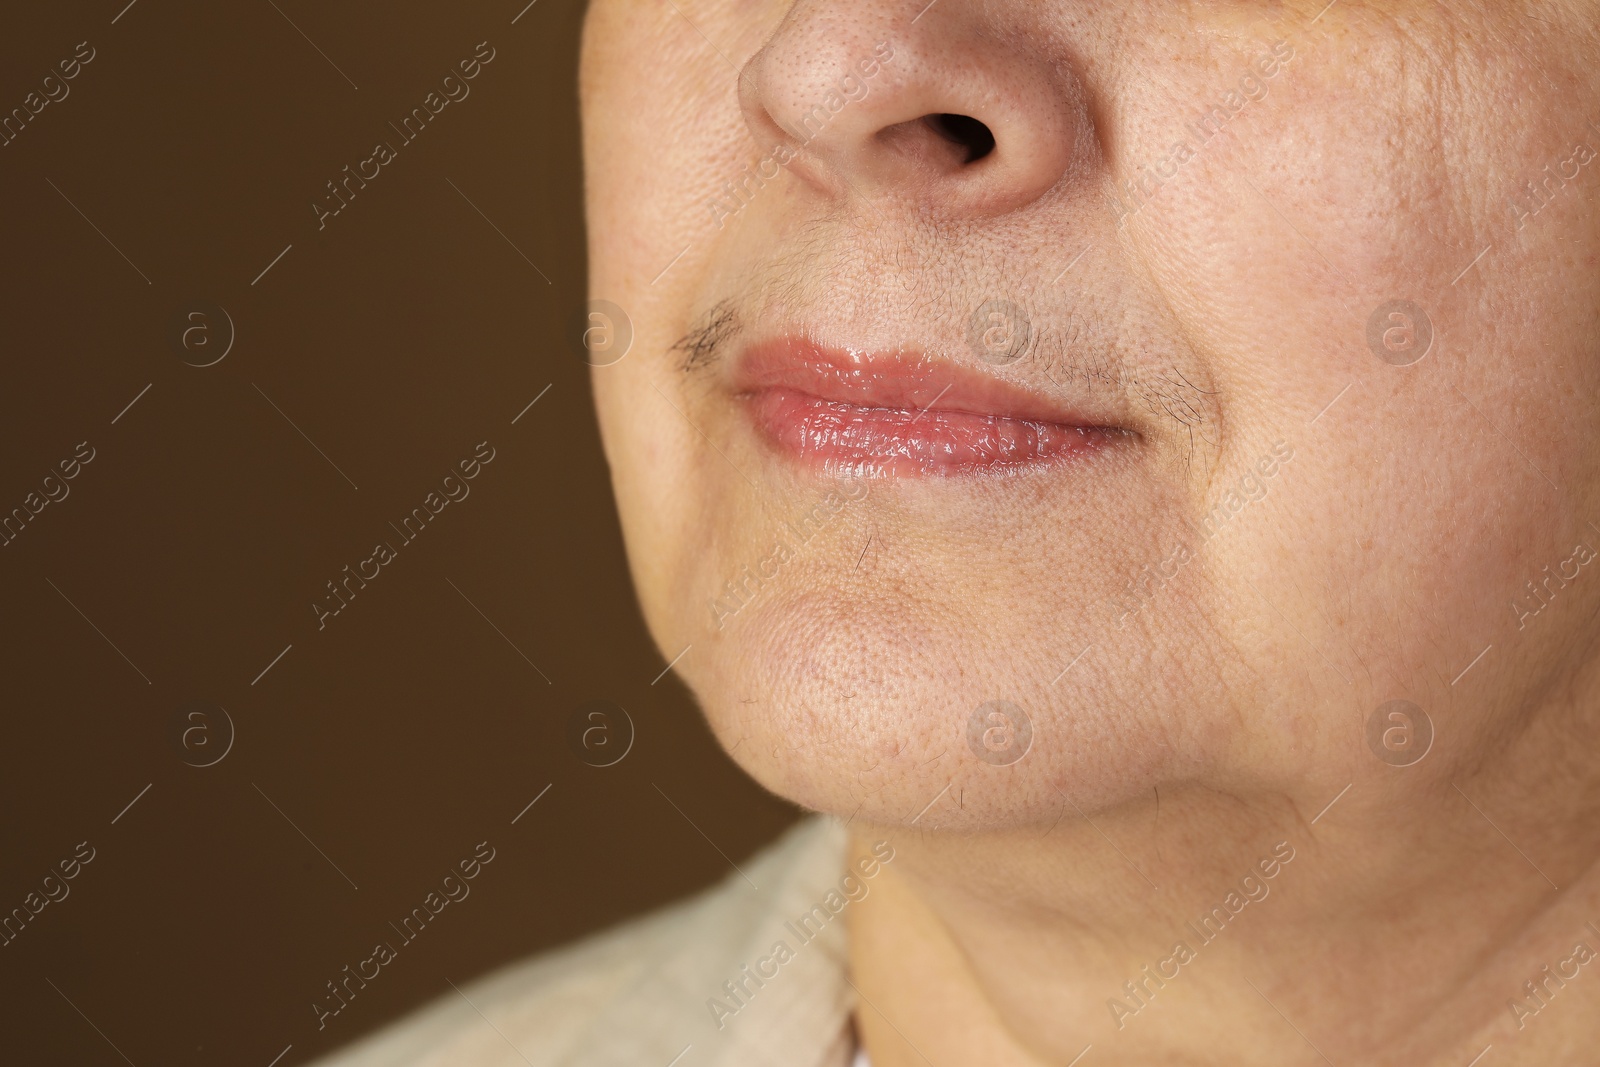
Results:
871 100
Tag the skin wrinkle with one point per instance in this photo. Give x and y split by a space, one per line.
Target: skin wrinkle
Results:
716 330
1217 443
1391 542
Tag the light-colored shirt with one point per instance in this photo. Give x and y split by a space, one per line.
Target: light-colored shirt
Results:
702 983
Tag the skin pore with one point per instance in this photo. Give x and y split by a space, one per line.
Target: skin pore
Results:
1205 218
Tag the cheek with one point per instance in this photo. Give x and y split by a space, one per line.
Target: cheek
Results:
660 143
1405 478
661 139
644 465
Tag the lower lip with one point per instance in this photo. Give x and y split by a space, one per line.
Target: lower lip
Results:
848 438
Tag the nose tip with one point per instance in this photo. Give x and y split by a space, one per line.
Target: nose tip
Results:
941 113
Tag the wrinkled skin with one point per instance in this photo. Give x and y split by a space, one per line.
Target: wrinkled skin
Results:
1214 304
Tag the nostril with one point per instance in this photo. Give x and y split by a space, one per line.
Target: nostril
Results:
965 131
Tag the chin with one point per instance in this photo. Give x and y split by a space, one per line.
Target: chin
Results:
865 708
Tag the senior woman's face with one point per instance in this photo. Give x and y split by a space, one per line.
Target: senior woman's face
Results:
1098 395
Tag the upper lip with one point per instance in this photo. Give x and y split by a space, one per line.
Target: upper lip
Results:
899 380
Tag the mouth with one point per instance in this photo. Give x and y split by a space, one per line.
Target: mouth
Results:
904 414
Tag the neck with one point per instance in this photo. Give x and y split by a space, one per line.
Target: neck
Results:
1399 926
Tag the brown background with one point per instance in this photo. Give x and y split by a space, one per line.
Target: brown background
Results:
396 338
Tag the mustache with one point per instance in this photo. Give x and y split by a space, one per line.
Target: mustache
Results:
1070 351
710 337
